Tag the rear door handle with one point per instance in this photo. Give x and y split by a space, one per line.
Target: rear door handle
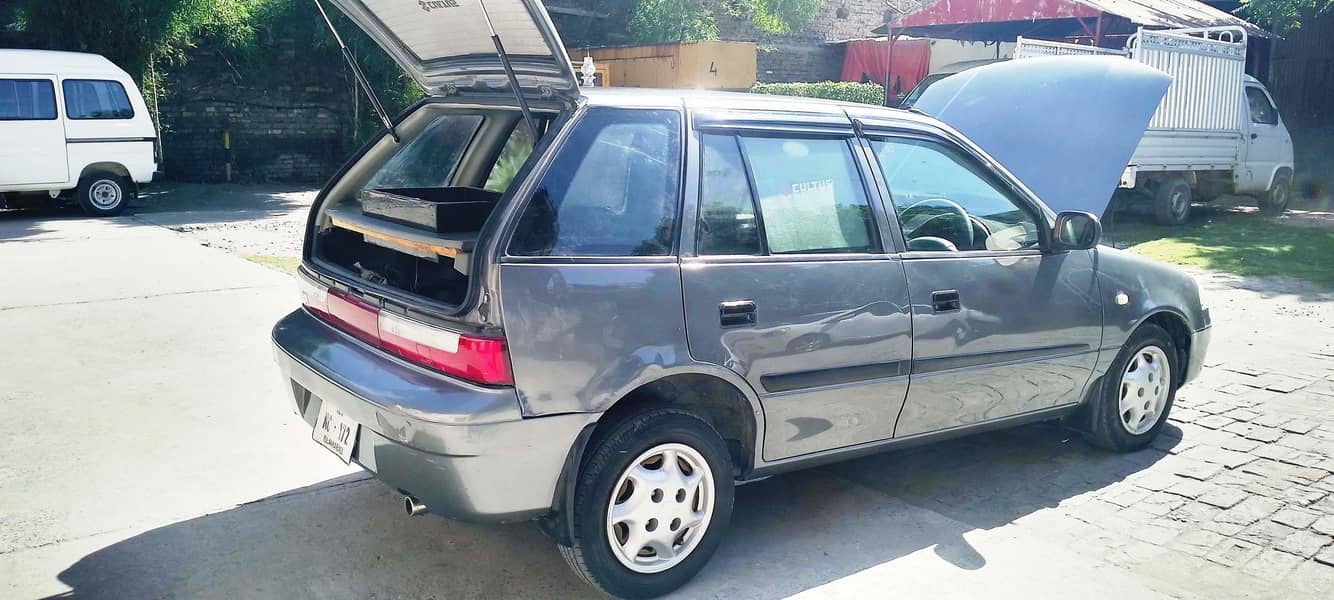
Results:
737 313
945 301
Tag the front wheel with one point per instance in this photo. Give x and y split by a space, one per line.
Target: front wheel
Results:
651 504
1274 202
104 194
1137 392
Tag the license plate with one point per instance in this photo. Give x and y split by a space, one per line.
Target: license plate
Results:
336 431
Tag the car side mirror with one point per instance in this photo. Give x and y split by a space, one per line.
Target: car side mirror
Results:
1076 230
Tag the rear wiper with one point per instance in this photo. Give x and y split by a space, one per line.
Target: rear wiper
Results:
360 77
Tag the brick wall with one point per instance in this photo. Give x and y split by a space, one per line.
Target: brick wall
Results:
807 55
292 126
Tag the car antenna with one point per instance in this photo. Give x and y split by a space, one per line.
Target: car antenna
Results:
509 71
360 77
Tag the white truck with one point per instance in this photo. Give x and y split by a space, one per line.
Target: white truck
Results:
1217 130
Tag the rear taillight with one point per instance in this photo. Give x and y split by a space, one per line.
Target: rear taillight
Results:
476 358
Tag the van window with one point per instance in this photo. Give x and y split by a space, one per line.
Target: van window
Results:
96 99
945 202
429 160
27 100
1262 111
811 196
612 189
727 220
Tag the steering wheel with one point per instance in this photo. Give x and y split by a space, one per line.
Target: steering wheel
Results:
940 218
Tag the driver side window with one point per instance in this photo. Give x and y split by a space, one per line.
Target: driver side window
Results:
946 203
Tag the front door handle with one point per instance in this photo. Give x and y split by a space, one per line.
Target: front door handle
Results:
945 301
737 313
1255 135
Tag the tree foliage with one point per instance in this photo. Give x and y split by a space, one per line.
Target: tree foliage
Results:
135 34
688 20
1281 15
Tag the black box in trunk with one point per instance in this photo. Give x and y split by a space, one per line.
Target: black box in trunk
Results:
439 210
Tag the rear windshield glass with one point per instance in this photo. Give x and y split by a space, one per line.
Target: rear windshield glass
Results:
430 159
96 99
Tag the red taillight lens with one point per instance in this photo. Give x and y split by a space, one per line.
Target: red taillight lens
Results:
476 358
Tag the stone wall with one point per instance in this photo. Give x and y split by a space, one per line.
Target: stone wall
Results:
808 55
293 126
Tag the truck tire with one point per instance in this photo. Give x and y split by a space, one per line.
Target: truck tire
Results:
103 194
1171 202
641 526
1275 201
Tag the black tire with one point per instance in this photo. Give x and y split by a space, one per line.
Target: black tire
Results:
590 554
1171 202
104 194
1106 428
1275 201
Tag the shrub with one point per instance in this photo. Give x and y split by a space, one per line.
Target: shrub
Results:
864 93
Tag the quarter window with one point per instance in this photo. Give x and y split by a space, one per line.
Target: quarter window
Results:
27 100
946 202
429 160
612 189
727 219
1262 111
811 196
96 99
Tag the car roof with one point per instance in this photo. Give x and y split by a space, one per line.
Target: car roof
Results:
48 62
716 100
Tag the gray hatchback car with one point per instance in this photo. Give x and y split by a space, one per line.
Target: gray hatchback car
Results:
605 317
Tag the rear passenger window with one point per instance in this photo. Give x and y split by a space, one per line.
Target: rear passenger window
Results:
27 100
811 196
612 189
96 99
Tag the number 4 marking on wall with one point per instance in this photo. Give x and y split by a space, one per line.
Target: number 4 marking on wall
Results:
713 68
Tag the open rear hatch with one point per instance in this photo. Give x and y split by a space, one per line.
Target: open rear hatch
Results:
446 45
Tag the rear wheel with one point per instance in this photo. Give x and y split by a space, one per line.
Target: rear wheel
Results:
1274 202
1171 202
104 194
651 504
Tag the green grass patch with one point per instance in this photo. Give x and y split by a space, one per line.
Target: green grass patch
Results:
1242 244
286 264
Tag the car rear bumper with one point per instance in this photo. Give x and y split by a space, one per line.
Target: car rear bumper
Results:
463 450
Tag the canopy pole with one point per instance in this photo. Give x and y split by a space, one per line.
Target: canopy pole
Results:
359 76
509 72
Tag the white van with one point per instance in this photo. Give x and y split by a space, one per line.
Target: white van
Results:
72 125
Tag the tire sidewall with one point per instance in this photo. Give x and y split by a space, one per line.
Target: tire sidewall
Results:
1109 413
1275 201
603 470
1163 205
85 192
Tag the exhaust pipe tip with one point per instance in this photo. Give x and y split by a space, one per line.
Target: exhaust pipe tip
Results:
413 506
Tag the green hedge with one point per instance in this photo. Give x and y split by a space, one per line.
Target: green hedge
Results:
865 93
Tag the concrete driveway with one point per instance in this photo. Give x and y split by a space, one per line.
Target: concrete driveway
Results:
150 453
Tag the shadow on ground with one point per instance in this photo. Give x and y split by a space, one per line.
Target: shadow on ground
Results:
348 538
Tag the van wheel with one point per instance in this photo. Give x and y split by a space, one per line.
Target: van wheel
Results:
104 194
1171 202
1274 202
651 504
1138 391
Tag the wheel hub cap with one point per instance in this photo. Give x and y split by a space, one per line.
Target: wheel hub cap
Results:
1144 388
105 194
660 508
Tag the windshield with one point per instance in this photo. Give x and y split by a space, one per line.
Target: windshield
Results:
917 91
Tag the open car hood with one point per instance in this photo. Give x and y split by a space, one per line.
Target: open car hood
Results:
1064 125
445 45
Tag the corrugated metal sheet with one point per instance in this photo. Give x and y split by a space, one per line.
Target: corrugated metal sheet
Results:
1206 79
1149 13
1026 48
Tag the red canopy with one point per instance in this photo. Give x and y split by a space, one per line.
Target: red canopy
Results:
865 61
